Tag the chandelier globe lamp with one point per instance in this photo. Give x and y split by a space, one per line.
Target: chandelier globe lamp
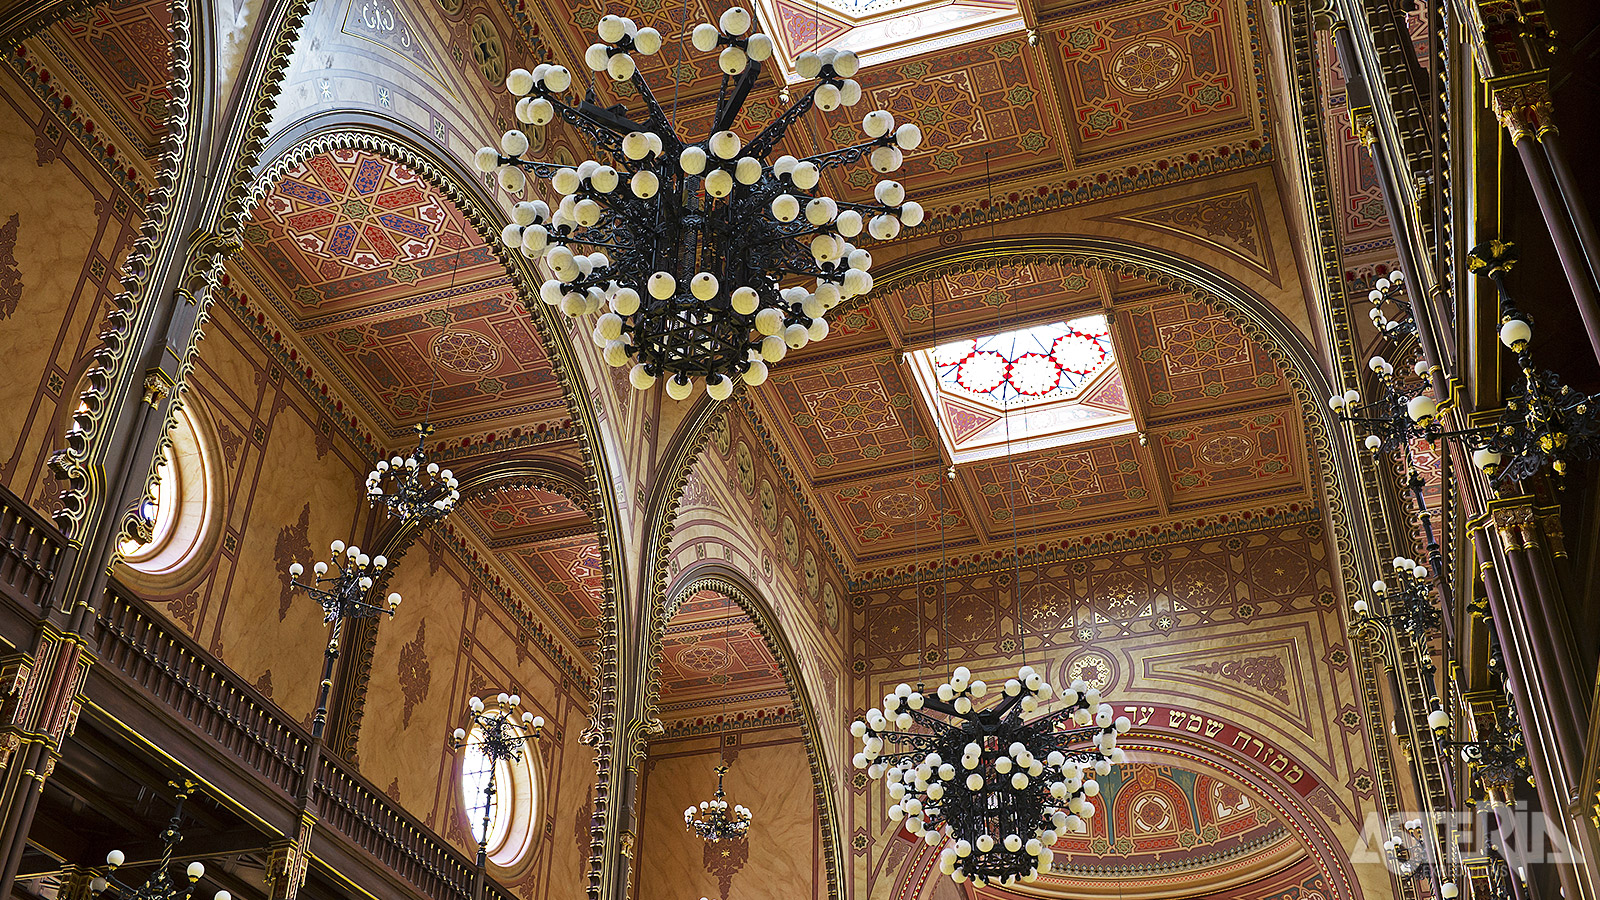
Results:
412 488
714 820
995 787
341 586
702 260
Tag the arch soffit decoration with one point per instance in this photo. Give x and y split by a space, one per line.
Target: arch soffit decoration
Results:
397 141
79 465
719 577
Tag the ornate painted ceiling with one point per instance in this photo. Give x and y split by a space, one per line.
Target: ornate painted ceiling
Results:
1217 425
388 286
716 668
1185 559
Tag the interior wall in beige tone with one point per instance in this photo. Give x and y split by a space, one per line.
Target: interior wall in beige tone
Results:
450 641
738 509
781 859
291 483
64 229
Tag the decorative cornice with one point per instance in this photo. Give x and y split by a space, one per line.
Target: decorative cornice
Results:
99 150
1111 542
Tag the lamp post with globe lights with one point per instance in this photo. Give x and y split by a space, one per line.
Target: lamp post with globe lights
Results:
501 731
342 588
701 261
160 885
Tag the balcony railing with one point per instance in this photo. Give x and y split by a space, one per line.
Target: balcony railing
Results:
140 654
30 548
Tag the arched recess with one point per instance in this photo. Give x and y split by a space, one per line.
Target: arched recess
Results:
397 141
1331 858
400 143
717 576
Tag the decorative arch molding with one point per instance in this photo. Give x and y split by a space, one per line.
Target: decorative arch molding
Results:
553 475
1334 465
108 380
717 576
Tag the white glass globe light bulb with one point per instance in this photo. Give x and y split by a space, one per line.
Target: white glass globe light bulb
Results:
679 390
621 67
735 21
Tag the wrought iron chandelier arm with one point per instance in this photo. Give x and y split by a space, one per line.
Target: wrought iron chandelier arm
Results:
846 155
659 120
769 137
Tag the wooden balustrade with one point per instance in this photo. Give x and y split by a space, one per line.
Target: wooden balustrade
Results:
173 670
30 547
137 650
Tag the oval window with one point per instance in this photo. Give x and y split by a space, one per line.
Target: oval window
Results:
182 512
506 815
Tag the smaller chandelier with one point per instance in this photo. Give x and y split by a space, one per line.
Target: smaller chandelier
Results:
412 488
495 734
161 885
343 593
713 820
702 260
1409 600
998 790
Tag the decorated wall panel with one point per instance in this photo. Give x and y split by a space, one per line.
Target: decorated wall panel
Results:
290 483
781 859
452 640
64 229
1238 633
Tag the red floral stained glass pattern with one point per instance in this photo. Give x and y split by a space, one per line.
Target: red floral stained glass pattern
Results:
1014 368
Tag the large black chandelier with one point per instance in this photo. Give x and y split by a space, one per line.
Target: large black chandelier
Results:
703 260
714 820
996 788
160 885
412 488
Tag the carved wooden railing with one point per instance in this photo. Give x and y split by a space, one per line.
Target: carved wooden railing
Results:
174 671
140 654
353 806
30 547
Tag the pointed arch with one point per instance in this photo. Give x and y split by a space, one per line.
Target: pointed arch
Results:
724 579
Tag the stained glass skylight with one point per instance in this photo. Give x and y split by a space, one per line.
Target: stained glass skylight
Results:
1024 389
1012 368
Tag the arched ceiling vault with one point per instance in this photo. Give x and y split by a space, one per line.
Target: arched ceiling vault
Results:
1144 125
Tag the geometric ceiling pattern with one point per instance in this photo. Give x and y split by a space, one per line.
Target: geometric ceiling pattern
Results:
715 664
388 285
1214 425
126 47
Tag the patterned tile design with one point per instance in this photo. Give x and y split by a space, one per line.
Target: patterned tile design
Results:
1153 72
348 228
1190 356
125 43
569 570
